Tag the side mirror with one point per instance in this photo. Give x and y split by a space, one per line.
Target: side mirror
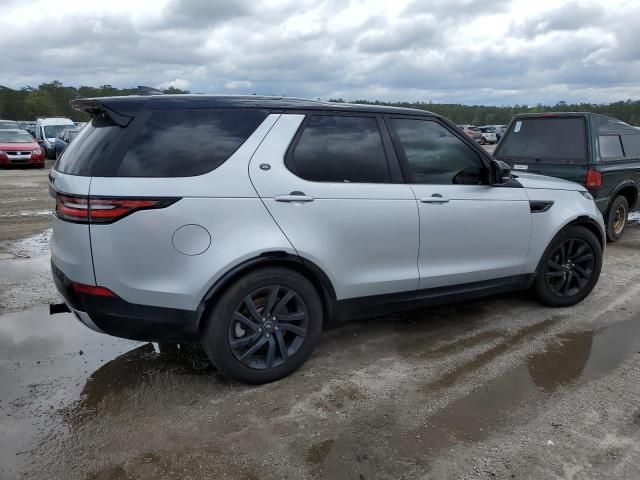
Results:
501 172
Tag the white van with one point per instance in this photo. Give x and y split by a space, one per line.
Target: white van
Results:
47 129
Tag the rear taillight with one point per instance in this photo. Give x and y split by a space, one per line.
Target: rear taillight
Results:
77 209
594 179
82 289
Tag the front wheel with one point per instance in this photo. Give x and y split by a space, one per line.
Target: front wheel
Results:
617 218
570 268
264 326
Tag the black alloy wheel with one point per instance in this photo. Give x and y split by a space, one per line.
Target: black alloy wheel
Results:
264 326
570 267
267 327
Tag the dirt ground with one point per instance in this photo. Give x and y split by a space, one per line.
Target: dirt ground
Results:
496 388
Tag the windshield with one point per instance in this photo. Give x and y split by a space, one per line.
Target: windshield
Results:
10 125
488 130
554 140
51 131
15 137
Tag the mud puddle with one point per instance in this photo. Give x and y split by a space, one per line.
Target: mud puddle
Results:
51 363
571 357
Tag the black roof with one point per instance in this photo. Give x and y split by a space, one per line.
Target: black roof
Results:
130 105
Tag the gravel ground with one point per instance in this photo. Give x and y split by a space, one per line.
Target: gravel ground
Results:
496 388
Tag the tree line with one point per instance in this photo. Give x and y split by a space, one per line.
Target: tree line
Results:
52 99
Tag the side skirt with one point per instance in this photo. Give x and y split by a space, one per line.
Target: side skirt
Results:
397 302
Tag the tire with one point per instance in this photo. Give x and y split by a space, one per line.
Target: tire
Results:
234 321
617 218
578 243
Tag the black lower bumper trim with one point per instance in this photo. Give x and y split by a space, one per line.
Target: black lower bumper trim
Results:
120 318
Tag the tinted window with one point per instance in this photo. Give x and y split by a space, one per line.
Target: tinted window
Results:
93 143
631 144
610 146
435 155
183 143
341 149
553 140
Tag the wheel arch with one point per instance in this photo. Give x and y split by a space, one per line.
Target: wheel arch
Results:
627 189
582 221
310 270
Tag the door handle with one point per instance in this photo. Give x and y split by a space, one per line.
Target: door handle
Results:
293 197
435 198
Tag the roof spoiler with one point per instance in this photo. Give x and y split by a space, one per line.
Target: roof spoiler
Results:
95 107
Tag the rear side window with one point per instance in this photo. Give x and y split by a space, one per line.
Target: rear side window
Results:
631 144
610 146
93 142
184 143
551 140
340 149
436 156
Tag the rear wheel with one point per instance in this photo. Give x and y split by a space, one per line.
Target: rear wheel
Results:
264 326
570 268
617 218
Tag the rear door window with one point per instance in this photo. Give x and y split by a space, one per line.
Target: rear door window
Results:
548 140
610 147
337 148
631 144
184 143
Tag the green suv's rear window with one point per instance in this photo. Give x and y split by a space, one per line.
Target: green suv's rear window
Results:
552 140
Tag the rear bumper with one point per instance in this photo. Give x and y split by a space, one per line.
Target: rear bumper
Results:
117 317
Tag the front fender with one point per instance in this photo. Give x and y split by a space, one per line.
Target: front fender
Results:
569 208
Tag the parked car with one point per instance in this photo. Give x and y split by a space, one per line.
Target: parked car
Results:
63 139
497 129
29 127
17 147
473 132
599 152
246 223
47 129
9 125
489 135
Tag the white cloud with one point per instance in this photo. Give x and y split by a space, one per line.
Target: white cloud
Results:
470 51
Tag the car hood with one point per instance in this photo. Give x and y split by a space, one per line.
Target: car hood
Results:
18 146
532 180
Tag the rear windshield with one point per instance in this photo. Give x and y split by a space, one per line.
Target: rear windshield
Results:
91 143
551 140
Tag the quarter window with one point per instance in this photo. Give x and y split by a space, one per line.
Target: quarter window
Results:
183 143
610 146
436 156
631 144
342 149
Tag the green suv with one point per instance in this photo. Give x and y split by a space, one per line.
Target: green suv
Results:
597 151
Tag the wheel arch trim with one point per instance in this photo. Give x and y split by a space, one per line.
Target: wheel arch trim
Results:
280 258
619 188
583 220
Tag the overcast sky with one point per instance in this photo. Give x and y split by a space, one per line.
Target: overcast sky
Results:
467 51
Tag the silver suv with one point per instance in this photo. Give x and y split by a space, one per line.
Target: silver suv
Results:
248 223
